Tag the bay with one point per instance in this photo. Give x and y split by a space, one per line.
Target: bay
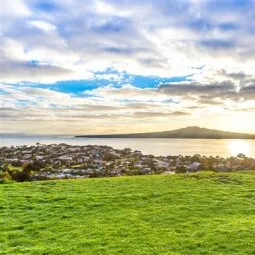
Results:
157 147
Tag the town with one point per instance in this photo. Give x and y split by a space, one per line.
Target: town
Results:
62 161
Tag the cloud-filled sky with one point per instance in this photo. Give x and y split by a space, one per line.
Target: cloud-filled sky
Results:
121 66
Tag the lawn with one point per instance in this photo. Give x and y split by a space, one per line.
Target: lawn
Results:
202 213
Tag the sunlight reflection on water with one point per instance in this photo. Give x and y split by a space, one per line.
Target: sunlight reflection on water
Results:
157 147
239 146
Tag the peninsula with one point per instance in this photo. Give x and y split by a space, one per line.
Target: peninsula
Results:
192 132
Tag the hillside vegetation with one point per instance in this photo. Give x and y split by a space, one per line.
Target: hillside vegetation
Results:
204 213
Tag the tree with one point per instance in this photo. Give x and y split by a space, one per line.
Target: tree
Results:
241 156
181 169
20 176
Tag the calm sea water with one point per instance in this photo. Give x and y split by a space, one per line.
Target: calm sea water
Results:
157 147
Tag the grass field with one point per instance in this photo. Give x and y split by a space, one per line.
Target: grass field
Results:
178 214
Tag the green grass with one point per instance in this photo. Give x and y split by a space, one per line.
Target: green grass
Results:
179 214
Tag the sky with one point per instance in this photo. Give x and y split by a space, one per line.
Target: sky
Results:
124 66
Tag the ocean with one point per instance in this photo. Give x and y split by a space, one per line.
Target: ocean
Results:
157 147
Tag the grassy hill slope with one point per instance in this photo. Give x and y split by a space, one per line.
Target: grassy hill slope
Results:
178 214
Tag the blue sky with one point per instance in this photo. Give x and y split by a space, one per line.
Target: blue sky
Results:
78 86
108 66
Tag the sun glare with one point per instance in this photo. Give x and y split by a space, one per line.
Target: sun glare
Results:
239 146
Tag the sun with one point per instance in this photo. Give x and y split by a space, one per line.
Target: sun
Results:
239 146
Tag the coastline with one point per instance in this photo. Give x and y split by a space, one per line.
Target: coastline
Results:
63 161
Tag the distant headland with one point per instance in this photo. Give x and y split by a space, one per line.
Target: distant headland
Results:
192 132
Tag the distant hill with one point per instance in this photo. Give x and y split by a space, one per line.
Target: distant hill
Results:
193 132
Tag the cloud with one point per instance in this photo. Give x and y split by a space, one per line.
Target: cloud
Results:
159 114
42 25
197 89
126 92
31 108
32 72
180 95
217 44
48 47
140 37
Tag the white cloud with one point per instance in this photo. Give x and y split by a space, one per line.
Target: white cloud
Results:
125 108
212 43
42 25
14 8
140 37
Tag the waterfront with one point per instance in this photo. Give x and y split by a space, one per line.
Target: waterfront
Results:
157 147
